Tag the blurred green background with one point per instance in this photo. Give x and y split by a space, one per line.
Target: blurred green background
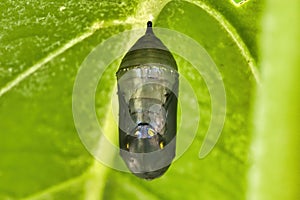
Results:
255 47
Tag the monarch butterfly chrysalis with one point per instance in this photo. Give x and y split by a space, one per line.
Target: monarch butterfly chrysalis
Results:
147 91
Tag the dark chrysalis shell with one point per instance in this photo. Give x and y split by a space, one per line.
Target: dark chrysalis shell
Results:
147 91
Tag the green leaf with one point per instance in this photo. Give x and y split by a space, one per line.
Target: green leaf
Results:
275 147
42 45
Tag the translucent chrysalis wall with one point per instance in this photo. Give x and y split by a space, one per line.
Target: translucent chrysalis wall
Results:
147 90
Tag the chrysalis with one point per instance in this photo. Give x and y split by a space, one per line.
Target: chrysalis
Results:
147 91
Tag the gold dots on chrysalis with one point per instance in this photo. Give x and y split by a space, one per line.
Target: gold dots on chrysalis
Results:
150 132
161 145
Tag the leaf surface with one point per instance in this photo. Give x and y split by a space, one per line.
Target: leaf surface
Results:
42 45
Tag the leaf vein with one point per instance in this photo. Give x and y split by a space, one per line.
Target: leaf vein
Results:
96 26
233 34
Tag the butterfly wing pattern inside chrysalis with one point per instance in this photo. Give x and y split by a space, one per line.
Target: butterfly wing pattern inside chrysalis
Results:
147 91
